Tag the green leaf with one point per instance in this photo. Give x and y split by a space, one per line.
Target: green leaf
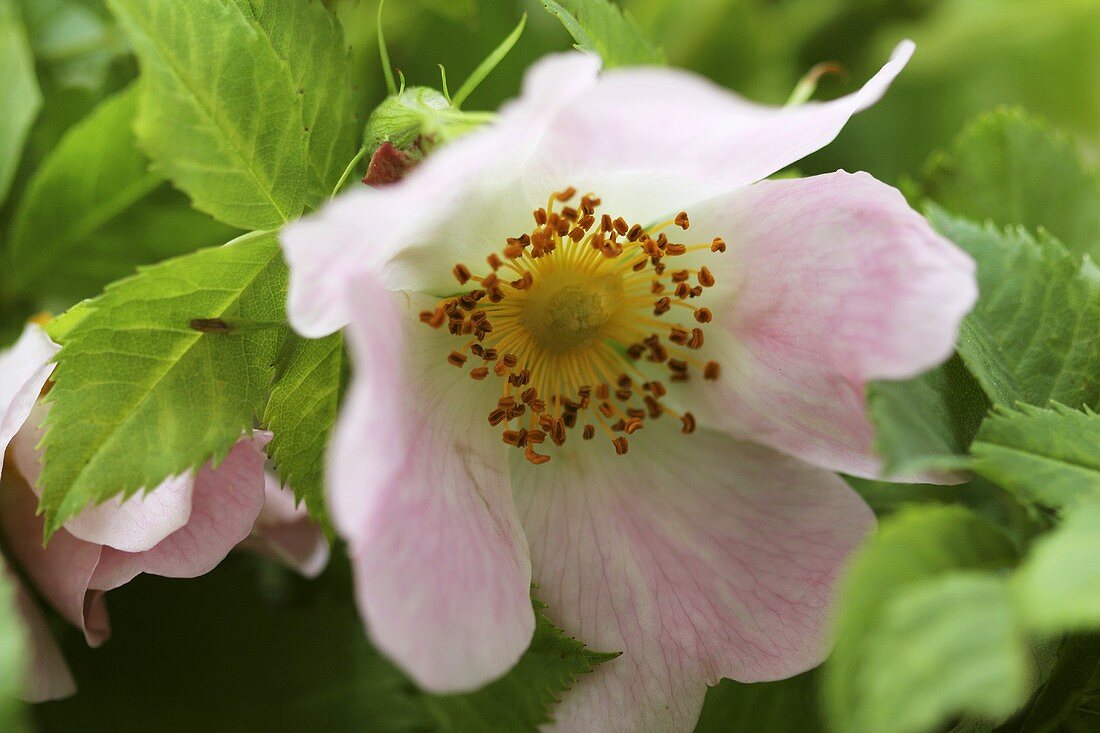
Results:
602 27
1072 682
522 700
301 412
1015 169
1032 336
140 395
307 667
1047 456
220 114
1058 587
889 583
73 41
944 646
788 705
93 211
926 423
20 97
308 39
13 652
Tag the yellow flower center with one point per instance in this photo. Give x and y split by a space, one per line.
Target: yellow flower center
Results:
566 314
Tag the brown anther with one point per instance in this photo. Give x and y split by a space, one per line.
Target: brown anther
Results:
683 291
706 279
534 437
696 291
712 370
565 195
678 335
479 373
494 262
679 276
603 392
456 359
652 406
619 426
606 225
513 250
496 417
674 250
546 422
621 227
657 287
584 391
635 351
570 213
688 421
606 409
540 217
657 389
515 437
510 360
489 354
506 402
659 268
536 458
623 395
718 245
570 419
703 315
461 274
633 425
576 234
530 394
678 366
524 282
489 281
435 318
589 202
586 221
624 381
557 432
589 432
682 220
538 406
680 377
621 445
696 339
662 306
640 265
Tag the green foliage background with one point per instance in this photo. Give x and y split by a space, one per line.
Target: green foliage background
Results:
977 606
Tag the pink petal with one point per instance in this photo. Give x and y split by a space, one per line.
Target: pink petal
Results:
696 556
48 676
829 282
132 525
24 369
665 123
284 532
419 488
61 570
226 502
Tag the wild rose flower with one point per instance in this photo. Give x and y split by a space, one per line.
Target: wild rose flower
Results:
182 529
634 394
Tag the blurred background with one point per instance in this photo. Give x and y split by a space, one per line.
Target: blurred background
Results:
260 650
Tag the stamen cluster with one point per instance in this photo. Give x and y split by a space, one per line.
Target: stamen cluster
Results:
569 315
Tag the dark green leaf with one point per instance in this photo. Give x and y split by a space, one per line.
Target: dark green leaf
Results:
20 97
786 706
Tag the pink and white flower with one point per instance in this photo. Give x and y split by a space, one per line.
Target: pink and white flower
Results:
181 529
748 314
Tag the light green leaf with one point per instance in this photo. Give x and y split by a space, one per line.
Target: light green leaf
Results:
1032 336
140 395
74 43
1058 587
788 705
941 647
914 546
93 211
20 97
13 652
308 39
1014 169
220 113
926 423
1047 456
602 27
301 412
